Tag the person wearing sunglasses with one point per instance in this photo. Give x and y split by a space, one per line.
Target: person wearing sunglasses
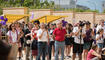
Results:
13 40
34 38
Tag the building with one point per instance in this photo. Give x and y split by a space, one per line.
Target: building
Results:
65 4
69 4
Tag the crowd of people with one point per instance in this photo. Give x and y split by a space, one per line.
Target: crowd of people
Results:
46 40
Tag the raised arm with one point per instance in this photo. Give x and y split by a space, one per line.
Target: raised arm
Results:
98 37
96 54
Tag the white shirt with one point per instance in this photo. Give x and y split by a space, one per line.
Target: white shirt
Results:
77 38
75 28
51 32
100 40
13 35
44 37
100 27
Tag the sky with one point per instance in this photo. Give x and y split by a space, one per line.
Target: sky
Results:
89 3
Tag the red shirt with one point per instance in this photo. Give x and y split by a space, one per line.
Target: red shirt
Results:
59 34
34 33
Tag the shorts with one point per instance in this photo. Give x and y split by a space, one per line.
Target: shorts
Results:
104 42
34 52
77 48
87 45
100 45
52 43
67 41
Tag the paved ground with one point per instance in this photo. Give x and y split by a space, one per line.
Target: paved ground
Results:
52 58
23 58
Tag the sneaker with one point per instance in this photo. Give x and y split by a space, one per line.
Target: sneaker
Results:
19 58
69 56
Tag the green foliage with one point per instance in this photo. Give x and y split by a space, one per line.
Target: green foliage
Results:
92 11
104 11
77 10
1 1
28 3
36 4
1 11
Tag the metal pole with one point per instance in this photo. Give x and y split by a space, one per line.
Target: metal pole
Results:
74 11
59 4
75 4
46 19
103 7
94 14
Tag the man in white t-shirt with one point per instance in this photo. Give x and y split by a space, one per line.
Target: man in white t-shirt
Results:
43 40
79 34
101 26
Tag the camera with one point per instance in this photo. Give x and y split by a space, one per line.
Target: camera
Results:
82 23
87 23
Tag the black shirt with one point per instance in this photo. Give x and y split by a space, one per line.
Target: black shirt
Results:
27 31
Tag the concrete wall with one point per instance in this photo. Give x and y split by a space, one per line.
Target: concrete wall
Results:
39 13
13 10
18 11
88 16
61 13
99 17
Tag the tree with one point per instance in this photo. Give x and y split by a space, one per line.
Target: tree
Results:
1 11
52 4
21 2
104 11
11 2
92 11
28 3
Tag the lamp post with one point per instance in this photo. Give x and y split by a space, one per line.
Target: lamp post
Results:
103 6
94 14
59 4
75 6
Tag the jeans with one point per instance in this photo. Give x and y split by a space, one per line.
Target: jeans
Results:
100 45
42 50
59 45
